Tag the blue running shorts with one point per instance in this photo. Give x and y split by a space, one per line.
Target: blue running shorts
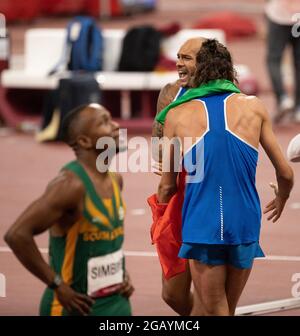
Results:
239 256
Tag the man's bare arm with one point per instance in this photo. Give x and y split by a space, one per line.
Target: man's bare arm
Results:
61 195
270 144
166 96
284 173
168 183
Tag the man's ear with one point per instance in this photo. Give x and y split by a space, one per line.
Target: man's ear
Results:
84 141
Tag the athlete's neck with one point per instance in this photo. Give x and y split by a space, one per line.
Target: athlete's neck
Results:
88 161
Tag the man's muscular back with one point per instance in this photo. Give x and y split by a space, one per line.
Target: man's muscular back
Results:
245 115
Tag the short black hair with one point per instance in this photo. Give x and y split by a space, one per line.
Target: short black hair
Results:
69 124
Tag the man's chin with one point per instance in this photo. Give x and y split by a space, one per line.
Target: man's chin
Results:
183 82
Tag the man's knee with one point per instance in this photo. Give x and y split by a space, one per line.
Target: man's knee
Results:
216 307
174 295
179 300
176 292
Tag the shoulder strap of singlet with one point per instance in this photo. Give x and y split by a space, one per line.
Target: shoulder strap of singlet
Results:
117 190
117 199
215 107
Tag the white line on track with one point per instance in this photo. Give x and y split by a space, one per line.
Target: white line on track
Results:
138 212
6 249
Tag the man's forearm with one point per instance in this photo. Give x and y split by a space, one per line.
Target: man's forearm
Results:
166 192
26 250
285 183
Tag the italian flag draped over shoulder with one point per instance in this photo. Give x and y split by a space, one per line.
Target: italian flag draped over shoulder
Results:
211 88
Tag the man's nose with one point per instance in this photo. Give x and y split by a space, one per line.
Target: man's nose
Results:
115 125
179 62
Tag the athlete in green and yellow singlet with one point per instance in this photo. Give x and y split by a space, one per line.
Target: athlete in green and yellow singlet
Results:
84 211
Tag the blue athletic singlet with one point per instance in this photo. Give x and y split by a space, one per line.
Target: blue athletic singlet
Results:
221 204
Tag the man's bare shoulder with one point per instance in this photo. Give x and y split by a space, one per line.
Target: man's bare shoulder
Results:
167 95
65 187
171 88
183 109
252 103
66 178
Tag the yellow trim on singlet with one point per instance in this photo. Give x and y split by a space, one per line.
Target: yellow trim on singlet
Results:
56 307
94 212
71 240
108 204
117 192
85 226
67 267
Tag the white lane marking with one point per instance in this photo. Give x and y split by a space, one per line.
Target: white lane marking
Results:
154 254
282 258
6 249
295 206
140 254
138 212
269 307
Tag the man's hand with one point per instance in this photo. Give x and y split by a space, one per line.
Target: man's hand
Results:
127 289
276 205
73 301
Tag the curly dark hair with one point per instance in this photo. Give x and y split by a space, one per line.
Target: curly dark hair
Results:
213 61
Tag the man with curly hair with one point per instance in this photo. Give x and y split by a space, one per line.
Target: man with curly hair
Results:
221 214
